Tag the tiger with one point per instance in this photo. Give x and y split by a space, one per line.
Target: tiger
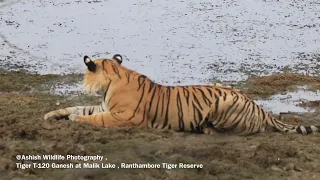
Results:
131 99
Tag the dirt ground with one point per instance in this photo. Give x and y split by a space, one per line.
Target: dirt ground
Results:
23 102
266 86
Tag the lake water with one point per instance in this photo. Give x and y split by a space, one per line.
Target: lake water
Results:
172 42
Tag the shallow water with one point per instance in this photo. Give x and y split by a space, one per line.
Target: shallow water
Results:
186 42
290 101
67 89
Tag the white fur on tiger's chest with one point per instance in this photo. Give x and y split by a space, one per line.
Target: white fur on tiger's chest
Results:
107 99
104 106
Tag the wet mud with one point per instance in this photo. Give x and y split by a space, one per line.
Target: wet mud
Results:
223 156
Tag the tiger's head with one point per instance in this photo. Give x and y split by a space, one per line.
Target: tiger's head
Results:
100 73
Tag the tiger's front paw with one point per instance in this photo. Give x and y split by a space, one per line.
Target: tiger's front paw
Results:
50 116
210 131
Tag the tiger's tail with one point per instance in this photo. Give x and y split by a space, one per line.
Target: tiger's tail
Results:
283 127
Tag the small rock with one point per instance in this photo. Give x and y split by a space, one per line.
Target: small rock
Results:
275 168
253 150
81 147
297 169
308 158
176 156
253 147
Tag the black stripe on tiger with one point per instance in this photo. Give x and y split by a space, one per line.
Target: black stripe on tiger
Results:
205 98
180 112
141 97
116 70
166 120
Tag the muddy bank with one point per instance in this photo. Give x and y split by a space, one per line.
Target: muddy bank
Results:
23 81
266 86
283 92
223 156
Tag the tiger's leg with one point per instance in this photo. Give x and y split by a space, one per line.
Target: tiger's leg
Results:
115 119
80 110
104 119
210 131
208 128
239 124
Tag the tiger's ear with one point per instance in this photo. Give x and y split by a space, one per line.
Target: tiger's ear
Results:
90 64
118 58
